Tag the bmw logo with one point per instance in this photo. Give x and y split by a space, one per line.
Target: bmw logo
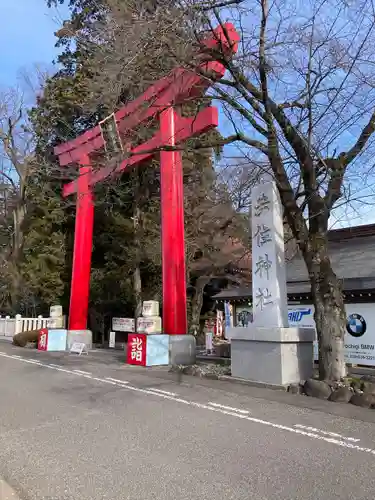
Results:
356 325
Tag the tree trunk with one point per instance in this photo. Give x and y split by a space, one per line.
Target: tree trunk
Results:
330 316
196 305
19 214
137 286
137 281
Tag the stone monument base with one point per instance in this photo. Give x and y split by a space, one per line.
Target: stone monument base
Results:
272 355
182 350
81 336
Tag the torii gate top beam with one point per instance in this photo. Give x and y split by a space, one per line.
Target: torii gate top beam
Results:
175 88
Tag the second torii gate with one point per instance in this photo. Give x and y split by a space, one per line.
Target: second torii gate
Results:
158 101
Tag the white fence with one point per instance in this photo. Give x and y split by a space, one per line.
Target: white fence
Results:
10 326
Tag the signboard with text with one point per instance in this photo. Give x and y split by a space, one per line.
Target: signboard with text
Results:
359 337
359 332
43 339
123 325
136 354
148 350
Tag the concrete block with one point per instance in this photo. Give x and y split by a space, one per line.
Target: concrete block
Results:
182 349
150 308
55 311
279 356
81 336
149 325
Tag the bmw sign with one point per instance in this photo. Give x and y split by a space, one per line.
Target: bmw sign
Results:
356 325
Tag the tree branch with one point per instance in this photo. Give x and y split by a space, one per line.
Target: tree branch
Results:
219 5
293 104
359 146
240 109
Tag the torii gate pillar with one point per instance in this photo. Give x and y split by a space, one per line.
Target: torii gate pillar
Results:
173 234
83 232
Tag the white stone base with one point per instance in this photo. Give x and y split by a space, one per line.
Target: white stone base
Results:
278 356
81 336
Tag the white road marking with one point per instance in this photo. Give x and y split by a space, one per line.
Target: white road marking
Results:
104 380
118 381
33 362
326 433
163 392
16 356
82 372
230 408
59 369
319 437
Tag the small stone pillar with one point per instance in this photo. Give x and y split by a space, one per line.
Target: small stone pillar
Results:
268 350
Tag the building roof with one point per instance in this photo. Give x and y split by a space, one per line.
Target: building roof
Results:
352 253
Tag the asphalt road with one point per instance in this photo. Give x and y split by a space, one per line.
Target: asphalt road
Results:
90 428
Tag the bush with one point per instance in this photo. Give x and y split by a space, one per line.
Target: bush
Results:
23 338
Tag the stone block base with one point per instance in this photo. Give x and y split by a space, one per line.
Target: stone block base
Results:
278 356
182 349
82 336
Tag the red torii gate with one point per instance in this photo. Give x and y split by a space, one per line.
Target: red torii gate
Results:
178 87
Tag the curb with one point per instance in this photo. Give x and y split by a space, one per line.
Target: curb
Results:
251 383
233 380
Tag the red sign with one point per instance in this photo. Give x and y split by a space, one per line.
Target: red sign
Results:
137 349
43 340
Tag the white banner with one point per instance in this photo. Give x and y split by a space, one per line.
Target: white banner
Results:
228 315
359 333
219 323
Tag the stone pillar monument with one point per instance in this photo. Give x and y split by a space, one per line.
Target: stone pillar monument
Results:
268 350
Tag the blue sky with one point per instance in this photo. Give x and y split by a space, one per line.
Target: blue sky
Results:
27 36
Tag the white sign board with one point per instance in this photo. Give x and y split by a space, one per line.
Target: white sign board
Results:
268 261
123 324
78 348
112 339
359 333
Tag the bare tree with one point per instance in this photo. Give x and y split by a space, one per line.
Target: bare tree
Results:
299 94
16 143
